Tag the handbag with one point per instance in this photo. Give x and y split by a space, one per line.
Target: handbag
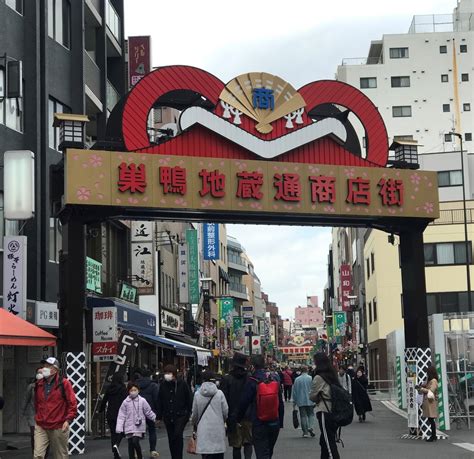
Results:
296 422
191 446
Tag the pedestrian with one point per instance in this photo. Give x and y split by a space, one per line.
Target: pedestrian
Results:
301 390
232 385
55 408
131 420
359 394
209 414
345 381
325 375
287 383
149 390
430 400
174 408
262 397
113 398
28 409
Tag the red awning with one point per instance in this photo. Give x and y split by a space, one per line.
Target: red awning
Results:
15 331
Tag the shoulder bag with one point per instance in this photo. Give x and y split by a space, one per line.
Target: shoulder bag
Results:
191 446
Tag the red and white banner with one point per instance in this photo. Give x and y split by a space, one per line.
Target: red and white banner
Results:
104 334
346 287
296 350
139 58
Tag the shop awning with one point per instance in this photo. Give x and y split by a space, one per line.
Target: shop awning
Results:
182 349
14 331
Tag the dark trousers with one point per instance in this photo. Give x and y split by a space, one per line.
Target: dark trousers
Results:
327 439
115 438
151 428
237 452
174 429
264 438
432 423
213 456
287 390
134 448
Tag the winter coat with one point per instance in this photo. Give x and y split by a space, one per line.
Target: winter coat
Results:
149 390
360 397
174 400
132 412
210 436
232 386
28 408
345 382
113 398
430 407
321 394
54 411
287 378
301 390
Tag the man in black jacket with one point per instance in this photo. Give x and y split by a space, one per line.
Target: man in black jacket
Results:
175 403
240 435
149 390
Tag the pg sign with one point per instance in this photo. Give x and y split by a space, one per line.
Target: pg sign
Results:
255 148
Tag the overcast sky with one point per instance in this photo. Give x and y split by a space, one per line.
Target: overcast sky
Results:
300 41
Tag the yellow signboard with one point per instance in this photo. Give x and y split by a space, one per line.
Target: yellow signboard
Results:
123 179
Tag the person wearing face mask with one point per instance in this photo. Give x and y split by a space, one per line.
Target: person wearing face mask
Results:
131 420
174 408
55 408
360 396
28 408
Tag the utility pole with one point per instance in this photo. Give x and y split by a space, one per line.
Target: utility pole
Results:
250 339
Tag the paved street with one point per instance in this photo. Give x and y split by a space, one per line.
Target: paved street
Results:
378 437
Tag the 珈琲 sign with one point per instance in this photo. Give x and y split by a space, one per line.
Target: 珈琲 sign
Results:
135 180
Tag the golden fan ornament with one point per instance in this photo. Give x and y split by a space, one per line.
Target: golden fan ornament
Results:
262 97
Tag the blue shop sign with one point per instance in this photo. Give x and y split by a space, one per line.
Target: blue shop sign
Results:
211 241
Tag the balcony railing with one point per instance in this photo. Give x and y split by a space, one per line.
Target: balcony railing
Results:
238 288
112 20
362 61
453 217
92 75
112 96
237 260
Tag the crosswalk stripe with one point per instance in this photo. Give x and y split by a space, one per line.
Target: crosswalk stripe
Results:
468 446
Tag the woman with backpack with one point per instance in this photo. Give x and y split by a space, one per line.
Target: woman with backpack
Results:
325 376
210 412
359 394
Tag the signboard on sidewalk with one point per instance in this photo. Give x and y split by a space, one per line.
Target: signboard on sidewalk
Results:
193 266
104 334
14 274
211 241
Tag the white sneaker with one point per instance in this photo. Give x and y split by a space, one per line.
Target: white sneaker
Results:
154 454
116 451
305 435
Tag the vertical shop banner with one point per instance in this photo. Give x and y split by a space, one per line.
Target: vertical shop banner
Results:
356 337
183 273
399 382
14 274
193 266
330 331
93 275
104 334
143 257
211 241
339 324
226 312
126 344
412 405
139 58
346 287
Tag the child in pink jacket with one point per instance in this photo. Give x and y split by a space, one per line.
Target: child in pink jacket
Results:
131 420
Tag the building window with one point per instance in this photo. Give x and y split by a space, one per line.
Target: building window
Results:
398 53
449 178
401 82
54 106
401 111
368 268
464 76
112 20
59 21
448 138
445 302
463 48
369 307
55 239
372 261
443 49
444 78
468 136
466 107
375 309
370 82
446 253
16 5
446 108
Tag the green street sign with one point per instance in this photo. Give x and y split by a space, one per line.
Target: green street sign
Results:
93 275
128 292
193 266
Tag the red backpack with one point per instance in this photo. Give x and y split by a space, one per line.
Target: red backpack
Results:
267 400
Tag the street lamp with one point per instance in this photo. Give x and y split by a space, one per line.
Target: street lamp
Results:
466 239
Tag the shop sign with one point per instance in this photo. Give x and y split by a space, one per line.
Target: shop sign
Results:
412 405
183 273
143 257
256 345
128 292
356 338
104 333
346 287
193 266
126 344
211 241
46 314
339 319
170 320
14 274
93 275
226 310
139 58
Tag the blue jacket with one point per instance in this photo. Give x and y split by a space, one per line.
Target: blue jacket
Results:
248 399
301 390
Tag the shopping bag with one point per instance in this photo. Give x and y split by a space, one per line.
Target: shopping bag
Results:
296 422
191 446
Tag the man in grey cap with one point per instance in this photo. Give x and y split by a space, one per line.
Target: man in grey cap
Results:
56 407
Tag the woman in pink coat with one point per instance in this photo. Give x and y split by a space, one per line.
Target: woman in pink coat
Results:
131 420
